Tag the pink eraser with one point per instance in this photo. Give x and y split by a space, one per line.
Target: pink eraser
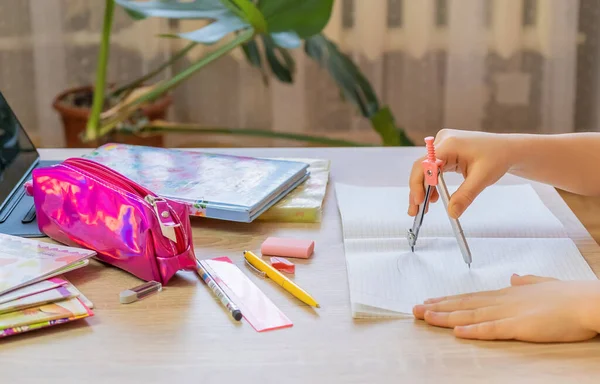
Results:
283 265
276 246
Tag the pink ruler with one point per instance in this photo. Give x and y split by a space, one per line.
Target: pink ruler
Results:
256 307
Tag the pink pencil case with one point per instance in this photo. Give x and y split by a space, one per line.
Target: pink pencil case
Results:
82 203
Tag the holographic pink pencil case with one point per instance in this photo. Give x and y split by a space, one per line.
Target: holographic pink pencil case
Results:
80 202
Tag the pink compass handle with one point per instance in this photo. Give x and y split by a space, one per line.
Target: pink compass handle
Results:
431 165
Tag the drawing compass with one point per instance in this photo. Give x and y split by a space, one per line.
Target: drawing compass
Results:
432 170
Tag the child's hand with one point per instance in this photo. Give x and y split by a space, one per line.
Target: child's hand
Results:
482 158
533 309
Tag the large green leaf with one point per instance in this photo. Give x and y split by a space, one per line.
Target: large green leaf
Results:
195 9
355 88
247 11
288 22
215 31
383 123
352 83
305 17
283 68
287 39
252 53
228 16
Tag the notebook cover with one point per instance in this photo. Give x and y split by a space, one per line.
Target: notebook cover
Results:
43 316
236 188
32 289
38 299
27 261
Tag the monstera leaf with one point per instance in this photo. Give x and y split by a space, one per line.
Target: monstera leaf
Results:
287 22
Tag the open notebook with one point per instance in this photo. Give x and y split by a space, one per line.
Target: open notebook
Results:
508 228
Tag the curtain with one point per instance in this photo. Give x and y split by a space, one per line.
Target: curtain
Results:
487 65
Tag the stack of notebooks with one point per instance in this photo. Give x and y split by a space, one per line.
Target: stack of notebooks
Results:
305 203
226 187
33 293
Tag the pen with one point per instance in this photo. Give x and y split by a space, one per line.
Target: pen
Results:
225 300
277 277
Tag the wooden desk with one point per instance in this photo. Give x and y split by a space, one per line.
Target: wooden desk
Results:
183 335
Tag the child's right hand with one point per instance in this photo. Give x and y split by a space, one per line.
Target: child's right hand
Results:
482 159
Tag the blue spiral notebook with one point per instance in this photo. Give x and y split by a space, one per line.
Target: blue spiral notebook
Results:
218 186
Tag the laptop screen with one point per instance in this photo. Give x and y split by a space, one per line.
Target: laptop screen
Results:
17 152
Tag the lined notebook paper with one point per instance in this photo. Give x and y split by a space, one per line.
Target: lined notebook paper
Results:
508 228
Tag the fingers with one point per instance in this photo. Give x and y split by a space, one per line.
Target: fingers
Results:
416 179
465 317
442 134
434 196
516 280
465 303
497 292
464 196
502 329
417 189
413 207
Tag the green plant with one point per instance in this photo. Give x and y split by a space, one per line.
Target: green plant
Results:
280 25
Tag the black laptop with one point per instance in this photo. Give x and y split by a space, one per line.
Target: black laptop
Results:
18 158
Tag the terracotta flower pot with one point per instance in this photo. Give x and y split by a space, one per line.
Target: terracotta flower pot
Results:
75 119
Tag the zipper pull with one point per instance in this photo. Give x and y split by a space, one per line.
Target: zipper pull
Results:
165 218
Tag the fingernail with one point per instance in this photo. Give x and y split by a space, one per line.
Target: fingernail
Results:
434 300
419 307
515 275
429 314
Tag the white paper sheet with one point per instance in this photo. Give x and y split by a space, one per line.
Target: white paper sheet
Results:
499 211
386 279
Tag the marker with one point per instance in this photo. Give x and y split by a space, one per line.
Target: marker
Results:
225 300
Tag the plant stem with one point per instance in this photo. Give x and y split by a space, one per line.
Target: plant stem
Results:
166 85
191 128
98 102
155 72
183 75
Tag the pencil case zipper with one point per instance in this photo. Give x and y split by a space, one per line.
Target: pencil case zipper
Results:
157 204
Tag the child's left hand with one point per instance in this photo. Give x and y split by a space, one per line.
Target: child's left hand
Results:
533 309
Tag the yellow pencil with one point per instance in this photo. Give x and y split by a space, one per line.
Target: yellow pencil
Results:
277 277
